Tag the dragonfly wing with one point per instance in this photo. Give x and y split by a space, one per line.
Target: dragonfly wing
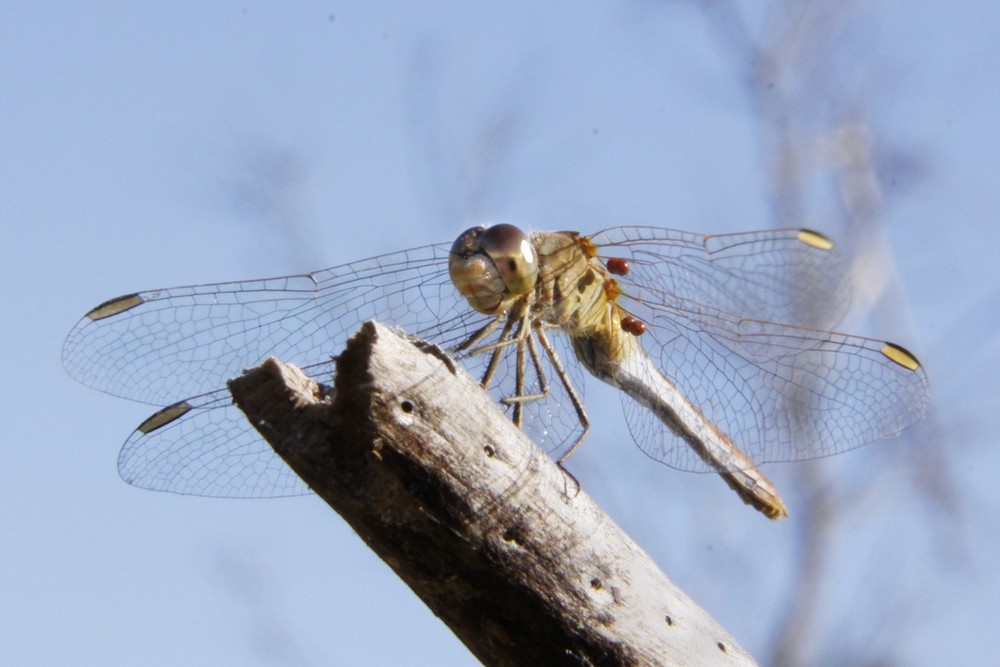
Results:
780 275
782 393
203 446
160 345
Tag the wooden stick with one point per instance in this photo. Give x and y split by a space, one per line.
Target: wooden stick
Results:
495 538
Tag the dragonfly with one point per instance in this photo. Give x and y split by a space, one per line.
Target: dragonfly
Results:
719 346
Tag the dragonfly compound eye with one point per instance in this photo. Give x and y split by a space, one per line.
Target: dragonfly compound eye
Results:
515 258
489 266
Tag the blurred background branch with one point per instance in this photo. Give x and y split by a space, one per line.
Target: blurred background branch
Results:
827 162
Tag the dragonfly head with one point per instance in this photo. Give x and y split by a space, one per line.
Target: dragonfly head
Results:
490 264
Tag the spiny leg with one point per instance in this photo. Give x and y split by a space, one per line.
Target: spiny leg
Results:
496 349
479 335
543 381
519 383
574 398
524 339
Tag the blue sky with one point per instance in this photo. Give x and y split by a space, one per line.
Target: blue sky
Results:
147 145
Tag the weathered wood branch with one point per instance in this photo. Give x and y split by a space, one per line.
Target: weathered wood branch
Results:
496 539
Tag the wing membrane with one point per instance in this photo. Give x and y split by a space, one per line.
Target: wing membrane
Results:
779 275
209 449
781 392
181 341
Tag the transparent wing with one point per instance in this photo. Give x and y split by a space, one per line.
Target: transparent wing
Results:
781 392
209 450
162 345
781 275
158 346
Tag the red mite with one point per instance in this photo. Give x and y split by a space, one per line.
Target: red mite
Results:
618 266
633 326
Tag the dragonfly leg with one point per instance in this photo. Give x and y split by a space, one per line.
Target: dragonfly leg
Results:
574 398
478 336
495 350
536 362
519 380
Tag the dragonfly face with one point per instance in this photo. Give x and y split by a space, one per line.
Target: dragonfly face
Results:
491 266
718 345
